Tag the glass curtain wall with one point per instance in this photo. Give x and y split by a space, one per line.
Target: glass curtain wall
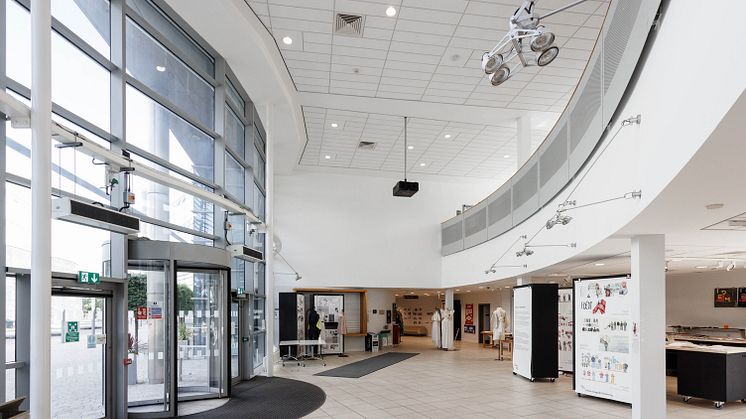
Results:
182 112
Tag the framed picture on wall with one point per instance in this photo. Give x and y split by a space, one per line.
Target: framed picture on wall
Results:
742 297
726 297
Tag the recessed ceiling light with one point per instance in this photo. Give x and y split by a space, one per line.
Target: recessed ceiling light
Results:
334 125
599 264
447 136
507 286
328 156
700 267
427 294
714 206
391 11
160 68
287 40
675 260
481 287
423 164
468 290
458 289
507 156
410 147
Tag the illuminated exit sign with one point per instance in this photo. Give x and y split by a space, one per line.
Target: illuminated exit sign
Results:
88 277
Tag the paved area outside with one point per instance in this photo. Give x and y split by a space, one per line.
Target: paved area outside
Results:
468 382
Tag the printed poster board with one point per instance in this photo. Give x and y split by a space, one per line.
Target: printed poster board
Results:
605 338
565 329
469 314
726 297
742 297
522 324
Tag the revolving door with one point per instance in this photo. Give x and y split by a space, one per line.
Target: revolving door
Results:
178 325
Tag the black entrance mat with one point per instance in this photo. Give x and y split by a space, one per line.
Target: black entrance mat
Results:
367 366
269 398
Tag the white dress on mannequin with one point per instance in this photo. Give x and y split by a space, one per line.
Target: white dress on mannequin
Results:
435 329
500 324
447 329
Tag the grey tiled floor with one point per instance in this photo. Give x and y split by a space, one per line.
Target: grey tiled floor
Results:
468 382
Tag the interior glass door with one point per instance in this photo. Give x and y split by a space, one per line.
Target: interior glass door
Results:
78 363
201 302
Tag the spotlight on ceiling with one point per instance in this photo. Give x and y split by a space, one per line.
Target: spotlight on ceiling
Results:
287 40
527 43
731 266
391 11
558 218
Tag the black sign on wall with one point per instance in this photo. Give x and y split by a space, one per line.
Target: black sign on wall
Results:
726 297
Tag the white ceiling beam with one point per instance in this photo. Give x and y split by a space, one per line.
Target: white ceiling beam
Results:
416 109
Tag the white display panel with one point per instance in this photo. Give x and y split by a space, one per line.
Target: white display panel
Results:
522 324
604 333
565 329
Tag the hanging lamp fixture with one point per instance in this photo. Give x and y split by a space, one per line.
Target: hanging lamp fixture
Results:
404 188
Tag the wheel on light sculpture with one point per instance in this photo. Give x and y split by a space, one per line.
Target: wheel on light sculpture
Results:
547 56
500 75
491 64
542 41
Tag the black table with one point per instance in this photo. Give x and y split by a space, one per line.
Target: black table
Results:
710 373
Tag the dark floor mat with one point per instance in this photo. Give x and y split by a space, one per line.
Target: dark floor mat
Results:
361 368
269 398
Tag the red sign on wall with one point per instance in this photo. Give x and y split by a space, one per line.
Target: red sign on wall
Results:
141 313
469 314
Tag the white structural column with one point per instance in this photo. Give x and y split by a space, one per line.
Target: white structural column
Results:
523 139
649 314
269 271
41 208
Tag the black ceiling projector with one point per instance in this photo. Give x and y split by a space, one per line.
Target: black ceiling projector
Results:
406 189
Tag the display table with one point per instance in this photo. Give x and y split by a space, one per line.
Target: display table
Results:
716 373
303 356
486 338
505 343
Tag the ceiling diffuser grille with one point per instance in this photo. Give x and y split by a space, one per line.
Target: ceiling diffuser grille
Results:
366 145
349 25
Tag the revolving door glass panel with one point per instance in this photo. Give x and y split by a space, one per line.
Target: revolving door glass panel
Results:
149 328
201 308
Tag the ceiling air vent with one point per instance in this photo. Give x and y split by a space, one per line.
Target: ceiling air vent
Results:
366 145
349 25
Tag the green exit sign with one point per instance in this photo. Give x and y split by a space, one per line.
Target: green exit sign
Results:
88 277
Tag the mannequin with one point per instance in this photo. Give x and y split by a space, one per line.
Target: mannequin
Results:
500 324
446 327
436 327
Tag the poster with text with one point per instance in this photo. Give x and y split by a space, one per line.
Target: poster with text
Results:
742 297
522 331
469 314
604 335
726 297
565 330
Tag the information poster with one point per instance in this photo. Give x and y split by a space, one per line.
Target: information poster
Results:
742 297
522 331
726 297
469 314
604 335
565 331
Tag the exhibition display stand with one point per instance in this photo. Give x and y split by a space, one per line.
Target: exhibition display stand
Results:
605 337
565 330
535 320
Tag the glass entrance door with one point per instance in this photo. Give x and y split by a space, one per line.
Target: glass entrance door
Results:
80 325
235 344
201 308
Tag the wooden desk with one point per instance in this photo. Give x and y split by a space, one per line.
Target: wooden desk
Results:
486 334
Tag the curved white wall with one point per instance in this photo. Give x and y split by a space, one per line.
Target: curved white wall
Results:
678 111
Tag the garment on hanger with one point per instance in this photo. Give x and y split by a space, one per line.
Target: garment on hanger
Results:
500 324
435 330
342 324
446 329
313 325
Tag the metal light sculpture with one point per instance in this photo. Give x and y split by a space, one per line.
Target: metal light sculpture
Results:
527 40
